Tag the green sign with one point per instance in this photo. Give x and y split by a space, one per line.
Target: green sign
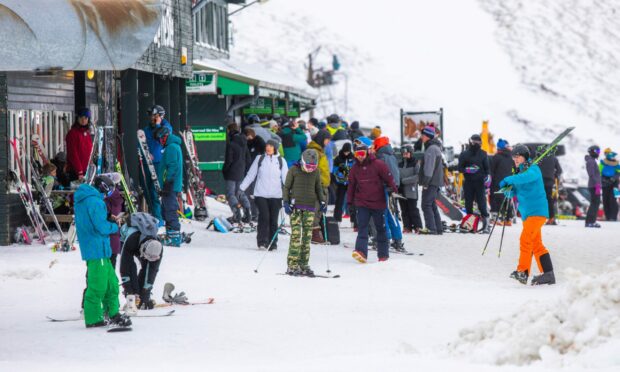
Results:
263 106
209 134
211 166
280 107
202 83
293 109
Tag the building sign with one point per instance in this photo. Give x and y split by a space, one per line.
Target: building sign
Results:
280 107
210 146
203 82
263 106
293 109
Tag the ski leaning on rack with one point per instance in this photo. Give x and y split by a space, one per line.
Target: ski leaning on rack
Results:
63 243
25 194
129 197
196 186
146 155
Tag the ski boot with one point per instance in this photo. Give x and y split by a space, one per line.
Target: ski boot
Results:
520 276
294 271
307 271
383 259
485 226
595 225
359 256
172 238
544 278
130 308
398 245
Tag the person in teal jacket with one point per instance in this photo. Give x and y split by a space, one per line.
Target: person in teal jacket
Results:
93 232
610 173
293 142
527 185
171 179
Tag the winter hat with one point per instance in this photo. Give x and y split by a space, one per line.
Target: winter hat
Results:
365 140
475 138
609 154
355 125
381 142
429 131
83 112
314 122
502 144
151 250
375 132
309 160
273 124
322 124
273 143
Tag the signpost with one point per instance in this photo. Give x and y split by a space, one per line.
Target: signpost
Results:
202 82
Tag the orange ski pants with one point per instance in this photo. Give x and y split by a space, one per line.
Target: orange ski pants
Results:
531 243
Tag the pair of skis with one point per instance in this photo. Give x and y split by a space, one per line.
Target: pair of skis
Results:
196 186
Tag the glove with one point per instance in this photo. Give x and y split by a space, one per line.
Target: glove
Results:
503 184
597 189
167 190
509 194
180 298
323 207
287 208
145 300
472 169
487 181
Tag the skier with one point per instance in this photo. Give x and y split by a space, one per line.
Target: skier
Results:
268 172
79 145
610 172
385 153
551 172
171 179
594 185
367 182
474 164
529 189
500 167
139 237
93 232
409 169
301 194
158 120
431 179
236 165
342 167
318 144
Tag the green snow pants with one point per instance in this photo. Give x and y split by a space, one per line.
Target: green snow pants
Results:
301 233
101 291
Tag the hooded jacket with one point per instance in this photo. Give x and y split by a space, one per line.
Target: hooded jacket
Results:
237 159
594 173
409 177
367 183
79 148
530 191
500 167
114 205
172 164
550 169
386 155
155 148
610 171
256 146
269 176
302 189
293 143
343 164
323 166
91 223
431 173
474 158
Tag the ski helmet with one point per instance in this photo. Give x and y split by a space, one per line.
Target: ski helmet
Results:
104 184
157 110
309 160
161 132
407 148
594 151
253 119
521 150
333 118
151 250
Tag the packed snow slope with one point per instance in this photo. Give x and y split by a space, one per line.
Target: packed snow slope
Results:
404 314
531 68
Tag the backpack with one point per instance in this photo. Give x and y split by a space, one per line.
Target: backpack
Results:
262 157
470 224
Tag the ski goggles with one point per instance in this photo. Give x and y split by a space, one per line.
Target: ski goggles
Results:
360 153
310 167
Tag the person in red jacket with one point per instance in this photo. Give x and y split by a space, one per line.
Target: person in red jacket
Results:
367 181
79 145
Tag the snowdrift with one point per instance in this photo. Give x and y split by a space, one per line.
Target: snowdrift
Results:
581 327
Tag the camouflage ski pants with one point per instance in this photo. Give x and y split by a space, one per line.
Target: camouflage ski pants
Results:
301 233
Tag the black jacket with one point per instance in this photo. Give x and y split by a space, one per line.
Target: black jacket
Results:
500 167
237 160
134 281
474 157
550 169
256 147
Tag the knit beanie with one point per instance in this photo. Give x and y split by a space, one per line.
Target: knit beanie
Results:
429 131
355 125
375 132
502 144
151 250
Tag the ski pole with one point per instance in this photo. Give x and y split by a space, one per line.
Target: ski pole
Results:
326 247
509 204
270 243
501 207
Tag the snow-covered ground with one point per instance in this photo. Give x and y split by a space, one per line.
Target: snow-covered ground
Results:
405 314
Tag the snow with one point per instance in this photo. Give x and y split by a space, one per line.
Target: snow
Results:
405 314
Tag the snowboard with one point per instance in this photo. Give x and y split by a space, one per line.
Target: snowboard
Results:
447 207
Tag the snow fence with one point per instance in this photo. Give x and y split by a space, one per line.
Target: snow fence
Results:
582 325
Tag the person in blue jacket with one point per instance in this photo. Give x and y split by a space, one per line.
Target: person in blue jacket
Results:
93 232
157 114
171 179
528 187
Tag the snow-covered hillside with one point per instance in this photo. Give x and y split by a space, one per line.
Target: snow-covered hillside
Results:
478 59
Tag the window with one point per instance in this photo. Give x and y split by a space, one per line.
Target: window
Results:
211 25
